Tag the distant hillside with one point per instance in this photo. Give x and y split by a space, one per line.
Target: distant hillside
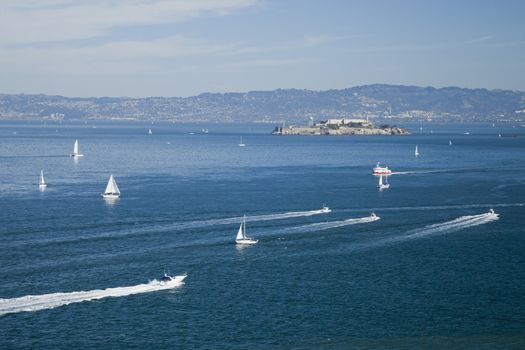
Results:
291 105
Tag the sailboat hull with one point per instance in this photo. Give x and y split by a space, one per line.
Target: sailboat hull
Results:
110 195
77 155
246 241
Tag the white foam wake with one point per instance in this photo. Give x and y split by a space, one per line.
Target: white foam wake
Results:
49 301
321 226
453 225
441 228
171 227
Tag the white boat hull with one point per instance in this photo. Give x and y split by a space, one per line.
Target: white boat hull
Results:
175 281
246 241
77 155
110 195
384 187
42 185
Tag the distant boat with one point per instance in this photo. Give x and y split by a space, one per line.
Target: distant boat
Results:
450 142
241 144
466 133
492 213
378 170
112 190
374 217
167 279
150 132
325 209
383 185
499 135
42 183
204 131
241 234
76 153
416 152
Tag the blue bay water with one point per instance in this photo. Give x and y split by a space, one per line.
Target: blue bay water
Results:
431 272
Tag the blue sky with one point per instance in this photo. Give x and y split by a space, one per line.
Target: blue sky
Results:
186 47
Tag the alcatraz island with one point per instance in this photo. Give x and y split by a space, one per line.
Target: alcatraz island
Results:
340 127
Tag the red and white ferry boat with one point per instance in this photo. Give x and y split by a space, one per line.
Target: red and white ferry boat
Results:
381 170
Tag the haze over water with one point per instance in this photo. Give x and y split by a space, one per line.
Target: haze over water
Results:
434 271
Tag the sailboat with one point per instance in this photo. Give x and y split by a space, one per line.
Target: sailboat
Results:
112 190
42 183
241 234
241 144
76 153
450 142
150 132
416 152
382 185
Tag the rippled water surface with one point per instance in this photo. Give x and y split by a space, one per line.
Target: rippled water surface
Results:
77 271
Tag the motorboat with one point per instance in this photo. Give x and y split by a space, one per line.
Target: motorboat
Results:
167 279
374 217
325 209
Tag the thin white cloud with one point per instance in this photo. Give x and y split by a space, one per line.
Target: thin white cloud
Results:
32 21
480 39
109 58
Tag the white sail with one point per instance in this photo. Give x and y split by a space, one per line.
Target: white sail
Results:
240 233
416 152
150 132
380 181
450 142
42 182
75 148
241 144
112 186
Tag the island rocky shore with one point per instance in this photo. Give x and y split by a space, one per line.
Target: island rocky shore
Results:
340 127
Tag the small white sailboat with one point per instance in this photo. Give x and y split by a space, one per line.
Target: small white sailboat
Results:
241 144
416 152
112 190
241 234
150 132
42 183
383 185
76 153
450 142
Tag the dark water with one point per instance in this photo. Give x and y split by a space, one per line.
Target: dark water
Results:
434 272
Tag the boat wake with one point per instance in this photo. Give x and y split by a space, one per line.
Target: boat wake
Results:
453 225
440 228
321 226
50 301
178 226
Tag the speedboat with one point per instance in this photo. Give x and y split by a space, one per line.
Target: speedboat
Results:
325 209
380 170
168 279
373 216
492 213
